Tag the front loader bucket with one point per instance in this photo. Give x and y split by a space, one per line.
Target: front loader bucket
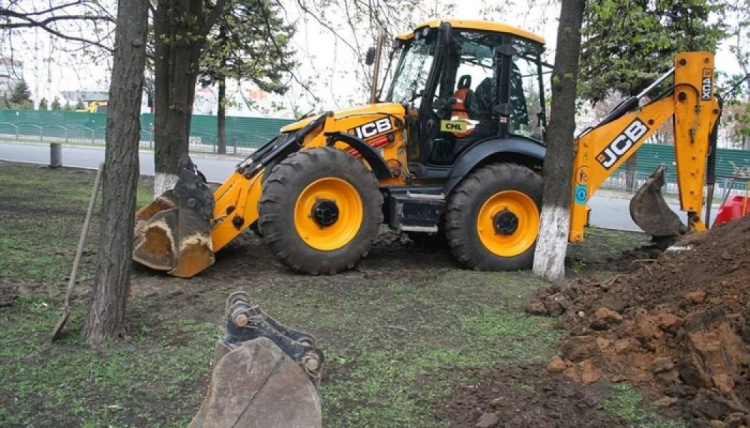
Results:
650 211
173 233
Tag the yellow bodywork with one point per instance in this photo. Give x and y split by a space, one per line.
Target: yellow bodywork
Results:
341 232
468 24
695 111
514 244
238 196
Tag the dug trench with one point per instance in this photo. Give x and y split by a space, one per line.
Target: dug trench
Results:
677 326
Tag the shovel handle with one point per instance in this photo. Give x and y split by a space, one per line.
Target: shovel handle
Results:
84 232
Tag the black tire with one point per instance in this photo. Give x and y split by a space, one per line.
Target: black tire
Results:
468 199
286 184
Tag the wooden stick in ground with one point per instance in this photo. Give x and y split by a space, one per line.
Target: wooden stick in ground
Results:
79 252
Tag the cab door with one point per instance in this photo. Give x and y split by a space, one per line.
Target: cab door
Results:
466 90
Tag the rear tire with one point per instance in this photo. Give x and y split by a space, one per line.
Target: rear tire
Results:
493 218
320 211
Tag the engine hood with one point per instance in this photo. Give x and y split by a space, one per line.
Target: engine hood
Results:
355 114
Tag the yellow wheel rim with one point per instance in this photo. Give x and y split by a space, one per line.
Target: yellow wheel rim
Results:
520 228
348 206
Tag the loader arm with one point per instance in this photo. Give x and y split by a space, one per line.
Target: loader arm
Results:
236 206
602 150
181 230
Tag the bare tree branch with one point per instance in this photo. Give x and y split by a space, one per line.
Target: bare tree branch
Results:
45 22
14 17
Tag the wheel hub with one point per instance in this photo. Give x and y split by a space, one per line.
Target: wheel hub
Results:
325 212
505 222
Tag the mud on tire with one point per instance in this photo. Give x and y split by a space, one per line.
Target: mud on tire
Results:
283 219
473 195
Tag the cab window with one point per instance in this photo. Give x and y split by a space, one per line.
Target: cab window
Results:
526 91
410 77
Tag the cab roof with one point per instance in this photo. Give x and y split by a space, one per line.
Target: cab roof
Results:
468 24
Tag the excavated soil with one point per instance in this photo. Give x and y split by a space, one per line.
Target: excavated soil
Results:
527 396
678 326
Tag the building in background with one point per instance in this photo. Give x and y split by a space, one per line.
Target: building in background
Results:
242 101
93 101
11 73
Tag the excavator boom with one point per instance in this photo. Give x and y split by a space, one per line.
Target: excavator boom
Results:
602 150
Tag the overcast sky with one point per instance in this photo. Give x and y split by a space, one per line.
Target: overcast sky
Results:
49 69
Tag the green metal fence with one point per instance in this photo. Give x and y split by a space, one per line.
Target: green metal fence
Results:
243 133
728 161
732 170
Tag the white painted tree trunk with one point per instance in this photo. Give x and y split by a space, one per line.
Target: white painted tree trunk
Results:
552 244
549 257
163 182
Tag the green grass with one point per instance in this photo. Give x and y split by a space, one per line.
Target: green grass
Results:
395 342
144 381
403 359
42 219
631 405
600 245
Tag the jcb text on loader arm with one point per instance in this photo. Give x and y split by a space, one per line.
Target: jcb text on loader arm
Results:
453 148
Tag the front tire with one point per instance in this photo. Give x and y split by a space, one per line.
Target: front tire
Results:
493 218
320 211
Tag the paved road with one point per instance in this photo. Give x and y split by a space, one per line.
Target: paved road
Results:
216 168
608 210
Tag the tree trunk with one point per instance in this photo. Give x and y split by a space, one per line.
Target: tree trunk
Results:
175 74
221 116
549 258
112 278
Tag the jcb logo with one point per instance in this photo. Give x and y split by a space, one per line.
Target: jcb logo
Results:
706 84
622 144
371 129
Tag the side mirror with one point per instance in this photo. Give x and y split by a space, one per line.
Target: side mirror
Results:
370 56
446 34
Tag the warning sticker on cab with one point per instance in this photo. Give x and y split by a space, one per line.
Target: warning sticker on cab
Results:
453 126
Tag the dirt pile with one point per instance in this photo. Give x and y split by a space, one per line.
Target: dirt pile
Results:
680 324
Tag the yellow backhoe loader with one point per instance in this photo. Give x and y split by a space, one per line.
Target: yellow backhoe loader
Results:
454 145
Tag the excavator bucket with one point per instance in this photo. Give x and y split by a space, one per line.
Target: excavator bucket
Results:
173 233
650 211
264 374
